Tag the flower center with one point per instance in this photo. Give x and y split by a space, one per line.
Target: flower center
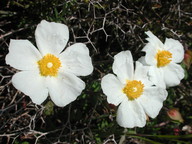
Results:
163 58
49 65
133 89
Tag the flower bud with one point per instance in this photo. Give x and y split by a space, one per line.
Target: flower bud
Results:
174 114
188 58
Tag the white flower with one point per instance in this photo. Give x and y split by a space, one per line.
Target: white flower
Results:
133 91
49 70
162 59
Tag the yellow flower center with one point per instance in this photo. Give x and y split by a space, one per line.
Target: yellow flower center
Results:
133 89
49 65
163 58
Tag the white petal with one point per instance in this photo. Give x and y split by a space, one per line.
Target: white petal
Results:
150 54
151 48
176 48
174 73
130 114
141 74
51 37
112 88
154 41
22 55
31 84
142 60
65 88
156 76
123 66
76 60
152 100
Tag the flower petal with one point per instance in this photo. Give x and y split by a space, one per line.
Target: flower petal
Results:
176 48
112 88
151 48
76 60
65 88
31 84
174 73
130 114
51 37
141 74
123 66
152 100
22 55
154 41
142 60
150 53
156 76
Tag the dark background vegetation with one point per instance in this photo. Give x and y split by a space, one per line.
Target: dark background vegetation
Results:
107 27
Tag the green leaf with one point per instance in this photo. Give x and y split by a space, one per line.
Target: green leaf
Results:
49 108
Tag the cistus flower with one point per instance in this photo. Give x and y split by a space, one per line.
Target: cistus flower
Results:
49 70
132 91
162 60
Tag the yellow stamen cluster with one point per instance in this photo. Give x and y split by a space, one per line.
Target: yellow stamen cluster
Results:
133 89
49 65
163 58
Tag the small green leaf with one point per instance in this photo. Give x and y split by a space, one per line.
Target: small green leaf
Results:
49 108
